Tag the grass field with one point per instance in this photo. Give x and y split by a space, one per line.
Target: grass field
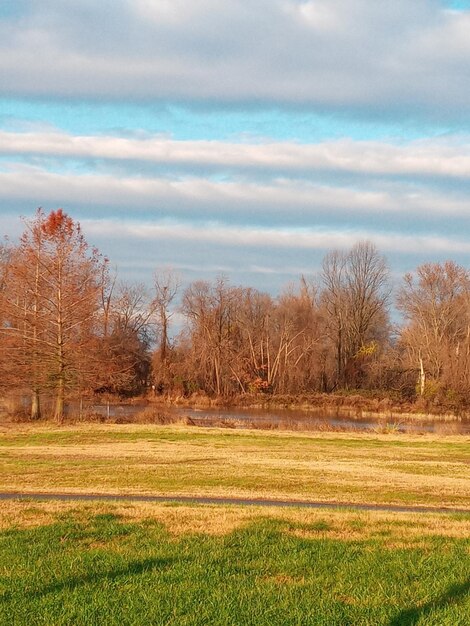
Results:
144 563
376 468
158 564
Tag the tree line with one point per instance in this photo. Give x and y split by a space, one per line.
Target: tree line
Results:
69 328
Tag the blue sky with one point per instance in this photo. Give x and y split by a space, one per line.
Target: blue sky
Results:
240 138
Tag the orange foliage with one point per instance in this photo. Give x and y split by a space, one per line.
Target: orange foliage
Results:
59 224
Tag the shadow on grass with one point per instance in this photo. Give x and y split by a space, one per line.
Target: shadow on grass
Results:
134 568
409 617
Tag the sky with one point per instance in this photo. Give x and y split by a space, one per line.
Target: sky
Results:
240 138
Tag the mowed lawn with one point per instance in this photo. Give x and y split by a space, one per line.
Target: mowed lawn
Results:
181 460
101 563
129 563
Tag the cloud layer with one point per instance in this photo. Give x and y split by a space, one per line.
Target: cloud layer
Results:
448 157
246 208
399 57
261 201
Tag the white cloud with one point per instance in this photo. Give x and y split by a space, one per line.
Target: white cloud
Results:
273 238
449 157
199 197
380 55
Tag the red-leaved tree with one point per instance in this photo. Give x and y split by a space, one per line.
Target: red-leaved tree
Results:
51 303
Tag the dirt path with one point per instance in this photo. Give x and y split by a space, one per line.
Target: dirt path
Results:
233 501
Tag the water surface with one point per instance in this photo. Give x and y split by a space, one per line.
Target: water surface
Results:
292 419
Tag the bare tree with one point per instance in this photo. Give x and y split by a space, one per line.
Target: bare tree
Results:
6 347
436 337
166 285
300 340
127 335
52 299
254 313
210 310
355 297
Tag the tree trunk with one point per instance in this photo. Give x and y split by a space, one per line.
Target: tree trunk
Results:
422 378
59 403
35 405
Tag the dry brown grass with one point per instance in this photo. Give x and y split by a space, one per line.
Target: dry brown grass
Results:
396 529
178 460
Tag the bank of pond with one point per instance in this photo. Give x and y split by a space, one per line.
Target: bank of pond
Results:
275 418
340 414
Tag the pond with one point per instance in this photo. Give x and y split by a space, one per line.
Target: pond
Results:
290 419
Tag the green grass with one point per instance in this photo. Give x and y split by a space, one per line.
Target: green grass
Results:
88 568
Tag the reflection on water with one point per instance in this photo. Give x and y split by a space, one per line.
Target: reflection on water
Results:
291 419
317 420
